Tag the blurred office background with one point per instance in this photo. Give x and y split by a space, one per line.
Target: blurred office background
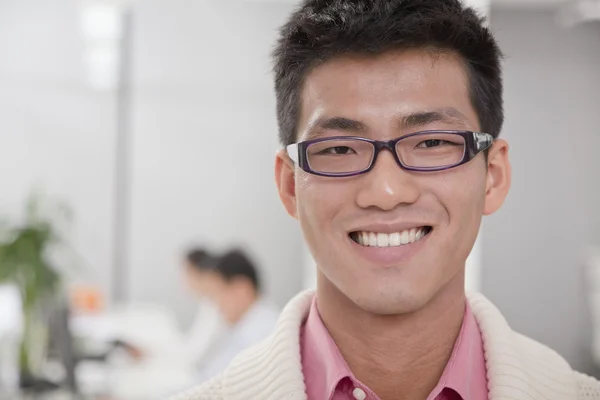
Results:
181 151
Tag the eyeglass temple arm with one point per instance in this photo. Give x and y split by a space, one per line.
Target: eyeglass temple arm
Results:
483 140
292 152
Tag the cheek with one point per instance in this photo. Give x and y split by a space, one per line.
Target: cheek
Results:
319 199
221 298
321 202
209 287
466 201
195 284
462 194
203 288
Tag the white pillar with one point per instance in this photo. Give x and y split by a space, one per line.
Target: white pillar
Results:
473 272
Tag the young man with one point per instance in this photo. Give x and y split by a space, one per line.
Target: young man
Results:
390 112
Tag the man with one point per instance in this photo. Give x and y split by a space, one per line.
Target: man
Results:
232 284
390 112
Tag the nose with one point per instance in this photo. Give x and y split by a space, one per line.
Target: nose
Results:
387 185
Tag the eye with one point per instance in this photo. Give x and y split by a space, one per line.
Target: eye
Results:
430 143
337 150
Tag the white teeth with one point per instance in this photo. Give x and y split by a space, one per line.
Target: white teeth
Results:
404 239
372 239
383 240
395 239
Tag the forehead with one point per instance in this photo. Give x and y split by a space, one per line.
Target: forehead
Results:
207 275
380 89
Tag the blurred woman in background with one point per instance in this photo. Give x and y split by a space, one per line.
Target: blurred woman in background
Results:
208 324
233 285
231 315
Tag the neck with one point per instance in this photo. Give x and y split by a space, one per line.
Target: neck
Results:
396 356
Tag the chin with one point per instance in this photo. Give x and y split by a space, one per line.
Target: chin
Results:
386 299
392 304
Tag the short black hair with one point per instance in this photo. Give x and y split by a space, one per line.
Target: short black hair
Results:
320 30
235 264
201 259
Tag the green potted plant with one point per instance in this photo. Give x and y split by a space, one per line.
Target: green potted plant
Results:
26 263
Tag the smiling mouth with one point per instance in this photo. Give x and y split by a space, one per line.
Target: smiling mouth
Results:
395 239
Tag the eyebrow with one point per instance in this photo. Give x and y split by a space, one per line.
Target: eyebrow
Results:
422 118
413 120
335 124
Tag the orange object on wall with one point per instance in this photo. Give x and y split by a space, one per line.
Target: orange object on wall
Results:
86 299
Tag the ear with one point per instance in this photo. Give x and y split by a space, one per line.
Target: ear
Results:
498 177
285 179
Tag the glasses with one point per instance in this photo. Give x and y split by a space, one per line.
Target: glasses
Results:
426 151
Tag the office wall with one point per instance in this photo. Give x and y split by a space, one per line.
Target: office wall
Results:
533 248
205 138
55 133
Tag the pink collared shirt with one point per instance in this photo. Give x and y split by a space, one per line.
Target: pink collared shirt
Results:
328 377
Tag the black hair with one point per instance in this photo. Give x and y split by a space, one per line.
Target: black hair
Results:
320 30
235 264
201 259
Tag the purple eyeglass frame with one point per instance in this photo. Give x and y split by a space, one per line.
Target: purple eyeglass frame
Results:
475 143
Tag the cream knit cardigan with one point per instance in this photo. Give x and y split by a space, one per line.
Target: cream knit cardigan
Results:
518 368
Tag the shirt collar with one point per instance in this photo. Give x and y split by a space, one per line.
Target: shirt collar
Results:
322 363
465 372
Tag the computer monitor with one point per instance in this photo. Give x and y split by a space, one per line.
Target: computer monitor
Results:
61 343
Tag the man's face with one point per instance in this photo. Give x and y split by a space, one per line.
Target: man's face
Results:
380 93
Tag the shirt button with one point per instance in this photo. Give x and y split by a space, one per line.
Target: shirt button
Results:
359 394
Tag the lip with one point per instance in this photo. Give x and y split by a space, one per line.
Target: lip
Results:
389 256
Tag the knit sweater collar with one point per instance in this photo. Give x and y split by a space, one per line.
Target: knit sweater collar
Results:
518 367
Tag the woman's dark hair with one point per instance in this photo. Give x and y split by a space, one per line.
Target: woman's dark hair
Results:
320 30
201 259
